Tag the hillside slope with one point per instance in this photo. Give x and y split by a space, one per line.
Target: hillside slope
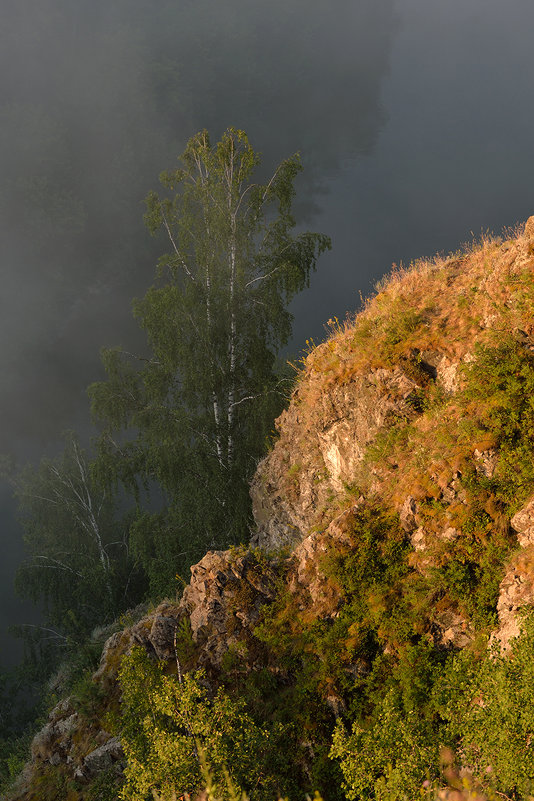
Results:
375 617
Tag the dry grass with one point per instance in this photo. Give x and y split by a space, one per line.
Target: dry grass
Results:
434 309
443 305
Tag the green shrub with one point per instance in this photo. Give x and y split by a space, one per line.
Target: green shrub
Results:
173 732
387 759
492 716
499 396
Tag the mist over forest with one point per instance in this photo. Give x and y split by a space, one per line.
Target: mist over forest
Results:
414 127
96 99
412 120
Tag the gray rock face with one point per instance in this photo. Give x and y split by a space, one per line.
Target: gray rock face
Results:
55 745
447 374
104 757
452 630
523 523
516 591
223 600
486 461
165 621
407 514
319 450
307 580
53 740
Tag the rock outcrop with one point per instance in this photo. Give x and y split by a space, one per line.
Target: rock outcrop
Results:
218 610
516 591
379 416
319 448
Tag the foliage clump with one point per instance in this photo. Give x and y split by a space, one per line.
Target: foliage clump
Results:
175 732
189 421
357 696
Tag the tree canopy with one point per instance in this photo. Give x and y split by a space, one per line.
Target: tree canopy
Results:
192 417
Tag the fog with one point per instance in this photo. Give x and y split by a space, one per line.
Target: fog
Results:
414 119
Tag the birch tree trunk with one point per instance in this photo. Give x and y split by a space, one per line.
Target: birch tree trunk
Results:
215 320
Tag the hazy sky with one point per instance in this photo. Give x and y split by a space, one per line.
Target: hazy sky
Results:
414 119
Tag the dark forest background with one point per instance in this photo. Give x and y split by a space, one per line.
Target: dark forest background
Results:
413 123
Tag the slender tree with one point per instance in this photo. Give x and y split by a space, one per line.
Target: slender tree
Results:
193 417
78 564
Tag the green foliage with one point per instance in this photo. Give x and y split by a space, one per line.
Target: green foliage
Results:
87 697
358 702
480 705
500 397
193 418
436 454
400 698
325 665
388 758
371 570
13 756
104 787
392 331
174 733
493 718
77 555
421 698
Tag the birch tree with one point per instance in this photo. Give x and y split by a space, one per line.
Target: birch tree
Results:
77 564
197 410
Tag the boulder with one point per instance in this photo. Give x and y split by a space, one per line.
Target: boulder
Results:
104 757
223 599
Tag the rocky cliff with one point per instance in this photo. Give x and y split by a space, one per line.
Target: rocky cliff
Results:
407 445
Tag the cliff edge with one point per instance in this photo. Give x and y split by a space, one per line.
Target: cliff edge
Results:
395 511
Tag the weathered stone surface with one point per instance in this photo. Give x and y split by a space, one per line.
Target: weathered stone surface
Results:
307 581
166 619
317 455
523 524
451 630
407 514
223 598
449 533
66 726
419 539
115 644
56 733
43 742
486 461
516 593
447 374
103 758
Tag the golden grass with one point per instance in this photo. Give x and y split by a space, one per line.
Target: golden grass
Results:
443 304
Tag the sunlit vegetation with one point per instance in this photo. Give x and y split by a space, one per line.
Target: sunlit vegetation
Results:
357 690
192 419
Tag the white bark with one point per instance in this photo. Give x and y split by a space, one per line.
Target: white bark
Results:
232 345
73 493
215 404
